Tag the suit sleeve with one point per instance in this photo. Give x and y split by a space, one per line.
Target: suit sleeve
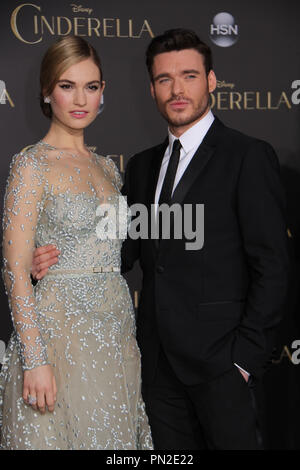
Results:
130 251
261 212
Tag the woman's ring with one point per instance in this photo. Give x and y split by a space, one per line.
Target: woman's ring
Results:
31 400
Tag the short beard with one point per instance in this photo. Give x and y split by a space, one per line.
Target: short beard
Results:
182 122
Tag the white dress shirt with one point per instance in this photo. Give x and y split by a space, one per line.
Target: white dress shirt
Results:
190 141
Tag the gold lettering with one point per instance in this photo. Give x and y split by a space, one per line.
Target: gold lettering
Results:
119 35
5 95
77 25
284 99
235 101
130 30
91 28
13 22
269 101
79 8
221 99
258 106
247 98
284 353
106 26
146 27
43 20
122 168
36 29
136 299
62 25
69 26
223 84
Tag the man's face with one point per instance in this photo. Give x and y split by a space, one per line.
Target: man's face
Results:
181 88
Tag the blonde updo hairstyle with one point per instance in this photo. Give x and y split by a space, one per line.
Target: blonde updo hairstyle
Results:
59 57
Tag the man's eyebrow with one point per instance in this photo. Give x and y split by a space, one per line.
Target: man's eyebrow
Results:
191 71
161 75
73 83
184 72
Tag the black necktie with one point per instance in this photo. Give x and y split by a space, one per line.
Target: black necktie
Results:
167 188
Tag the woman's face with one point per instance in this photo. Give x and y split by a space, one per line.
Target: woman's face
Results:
76 97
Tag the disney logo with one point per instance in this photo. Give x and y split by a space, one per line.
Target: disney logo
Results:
223 84
80 9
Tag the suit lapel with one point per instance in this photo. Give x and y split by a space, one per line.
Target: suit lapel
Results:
196 166
199 161
155 169
157 159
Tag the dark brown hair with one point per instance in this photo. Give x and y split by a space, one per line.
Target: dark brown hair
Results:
59 57
177 40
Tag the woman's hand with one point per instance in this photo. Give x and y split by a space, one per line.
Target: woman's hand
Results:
43 258
40 386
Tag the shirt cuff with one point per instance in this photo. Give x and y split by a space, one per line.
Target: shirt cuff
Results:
241 368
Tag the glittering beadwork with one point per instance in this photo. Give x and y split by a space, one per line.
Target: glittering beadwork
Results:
81 323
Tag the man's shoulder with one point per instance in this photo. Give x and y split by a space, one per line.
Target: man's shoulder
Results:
235 136
146 155
149 151
236 142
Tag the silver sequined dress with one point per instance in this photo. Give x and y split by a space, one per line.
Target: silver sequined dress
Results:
79 321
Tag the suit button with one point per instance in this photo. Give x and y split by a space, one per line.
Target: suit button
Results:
160 269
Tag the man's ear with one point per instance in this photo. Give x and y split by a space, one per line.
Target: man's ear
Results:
212 81
152 90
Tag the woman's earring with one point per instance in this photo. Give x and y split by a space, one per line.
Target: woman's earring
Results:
101 107
47 99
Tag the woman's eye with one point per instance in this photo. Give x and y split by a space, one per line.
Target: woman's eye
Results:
65 86
93 87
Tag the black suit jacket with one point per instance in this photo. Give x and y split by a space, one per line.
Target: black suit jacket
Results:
219 305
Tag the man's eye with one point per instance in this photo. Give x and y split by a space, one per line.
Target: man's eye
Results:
164 80
190 76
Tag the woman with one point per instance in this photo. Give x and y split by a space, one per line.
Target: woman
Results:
71 377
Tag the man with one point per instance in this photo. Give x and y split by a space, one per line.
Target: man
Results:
207 316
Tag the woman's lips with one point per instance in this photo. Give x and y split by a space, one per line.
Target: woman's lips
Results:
79 114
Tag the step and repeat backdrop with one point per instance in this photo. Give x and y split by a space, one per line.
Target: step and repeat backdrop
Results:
256 59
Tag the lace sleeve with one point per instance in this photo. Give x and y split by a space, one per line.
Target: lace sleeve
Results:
113 171
22 204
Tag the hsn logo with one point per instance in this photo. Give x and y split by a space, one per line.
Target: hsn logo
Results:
223 30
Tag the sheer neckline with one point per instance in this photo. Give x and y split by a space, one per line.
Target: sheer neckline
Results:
73 154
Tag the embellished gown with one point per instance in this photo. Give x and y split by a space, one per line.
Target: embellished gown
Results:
79 318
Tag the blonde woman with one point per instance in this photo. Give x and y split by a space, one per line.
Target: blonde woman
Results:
71 377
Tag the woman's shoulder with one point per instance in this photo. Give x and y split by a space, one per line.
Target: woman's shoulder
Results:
106 161
111 168
32 152
30 157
